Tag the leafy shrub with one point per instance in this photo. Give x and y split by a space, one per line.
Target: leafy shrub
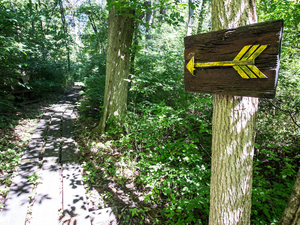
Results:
42 87
269 196
94 96
159 71
6 107
94 90
172 150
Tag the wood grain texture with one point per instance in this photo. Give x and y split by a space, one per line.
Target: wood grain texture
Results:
17 199
224 45
74 201
47 200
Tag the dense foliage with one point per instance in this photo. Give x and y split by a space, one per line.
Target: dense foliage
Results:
167 132
163 144
34 51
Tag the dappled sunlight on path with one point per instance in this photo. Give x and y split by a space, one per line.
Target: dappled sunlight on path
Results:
48 188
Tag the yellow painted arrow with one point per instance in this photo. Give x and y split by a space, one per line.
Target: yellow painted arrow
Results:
243 63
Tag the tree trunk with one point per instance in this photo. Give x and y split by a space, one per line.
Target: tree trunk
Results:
191 19
44 49
24 78
93 24
75 31
291 214
162 12
120 32
149 18
65 27
201 16
134 49
32 19
234 125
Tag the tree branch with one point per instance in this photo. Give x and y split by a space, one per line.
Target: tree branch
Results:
286 111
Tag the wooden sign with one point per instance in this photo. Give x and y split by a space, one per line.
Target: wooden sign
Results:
243 61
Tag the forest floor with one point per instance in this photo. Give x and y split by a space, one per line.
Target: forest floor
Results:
122 195
41 176
110 179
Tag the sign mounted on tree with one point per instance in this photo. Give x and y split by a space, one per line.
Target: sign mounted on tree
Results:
243 61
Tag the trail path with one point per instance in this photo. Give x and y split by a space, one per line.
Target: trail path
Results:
59 195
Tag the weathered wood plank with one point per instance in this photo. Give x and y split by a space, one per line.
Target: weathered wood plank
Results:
59 107
68 150
52 148
54 128
67 126
224 45
72 97
48 198
68 145
17 199
38 133
54 132
47 115
34 148
44 122
69 111
56 116
74 200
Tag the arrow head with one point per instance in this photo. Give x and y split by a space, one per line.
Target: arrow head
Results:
191 66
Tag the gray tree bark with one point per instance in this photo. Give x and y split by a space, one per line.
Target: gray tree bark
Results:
44 49
234 125
32 19
162 12
120 32
191 19
24 78
75 31
291 214
201 16
149 18
65 27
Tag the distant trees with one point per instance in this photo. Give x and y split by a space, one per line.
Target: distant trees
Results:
34 41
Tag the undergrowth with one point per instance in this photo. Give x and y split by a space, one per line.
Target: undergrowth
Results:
168 153
172 151
163 145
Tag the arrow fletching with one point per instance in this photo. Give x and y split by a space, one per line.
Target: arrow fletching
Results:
249 53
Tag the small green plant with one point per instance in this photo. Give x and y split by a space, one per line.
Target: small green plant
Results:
34 179
134 212
139 213
125 217
4 191
90 174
